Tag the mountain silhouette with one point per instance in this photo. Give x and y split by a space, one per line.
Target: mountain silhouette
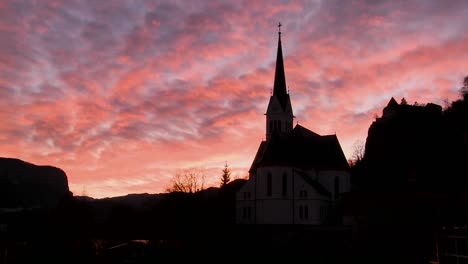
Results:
25 185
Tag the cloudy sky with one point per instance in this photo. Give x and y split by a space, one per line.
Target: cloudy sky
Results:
123 94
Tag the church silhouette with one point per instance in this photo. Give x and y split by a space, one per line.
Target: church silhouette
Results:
297 176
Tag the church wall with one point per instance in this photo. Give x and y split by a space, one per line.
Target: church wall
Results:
310 207
275 212
245 202
311 211
254 203
328 177
274 208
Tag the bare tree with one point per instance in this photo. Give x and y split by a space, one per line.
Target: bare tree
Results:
188 181
358 150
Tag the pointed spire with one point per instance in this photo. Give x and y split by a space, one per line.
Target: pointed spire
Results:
279 88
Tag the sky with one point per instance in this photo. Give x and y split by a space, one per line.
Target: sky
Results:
122 95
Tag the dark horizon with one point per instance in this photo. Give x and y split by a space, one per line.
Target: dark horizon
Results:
167 86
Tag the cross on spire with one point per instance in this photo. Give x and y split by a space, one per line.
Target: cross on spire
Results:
279 28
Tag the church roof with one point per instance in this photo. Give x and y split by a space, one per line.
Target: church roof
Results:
301 149
315 184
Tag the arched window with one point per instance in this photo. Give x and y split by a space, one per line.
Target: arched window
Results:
306 212
269 184
337 187
285 184
301 212
279 125
323 213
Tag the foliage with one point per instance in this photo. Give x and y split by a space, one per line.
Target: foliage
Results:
226 177
464 89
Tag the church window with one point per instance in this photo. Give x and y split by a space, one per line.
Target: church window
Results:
279 125
269 184
248 212
306 212
244 212
301 212
285 184
323 212
337 187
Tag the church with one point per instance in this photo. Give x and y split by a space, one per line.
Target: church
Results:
297 176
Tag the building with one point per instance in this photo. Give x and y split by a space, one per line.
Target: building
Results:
297 175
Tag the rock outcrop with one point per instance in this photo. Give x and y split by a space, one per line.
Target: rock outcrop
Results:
25 185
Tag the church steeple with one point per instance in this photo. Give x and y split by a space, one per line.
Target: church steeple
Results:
279 115
279 87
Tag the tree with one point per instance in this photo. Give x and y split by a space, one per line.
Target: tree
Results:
358 151
403 101
464 89
226 177
188 181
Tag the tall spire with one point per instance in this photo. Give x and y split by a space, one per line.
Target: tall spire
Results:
279 88
279 115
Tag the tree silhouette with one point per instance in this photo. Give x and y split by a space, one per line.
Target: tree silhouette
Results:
188 181
464 89
226 177
403 101
358 151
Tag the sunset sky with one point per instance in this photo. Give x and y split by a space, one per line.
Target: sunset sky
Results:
123 94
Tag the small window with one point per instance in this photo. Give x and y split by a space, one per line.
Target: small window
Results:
279 125
462 248
337 187
285 184
301 212
269 184
323 212
306 212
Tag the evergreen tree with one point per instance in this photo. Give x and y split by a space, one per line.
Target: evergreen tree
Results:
226 177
